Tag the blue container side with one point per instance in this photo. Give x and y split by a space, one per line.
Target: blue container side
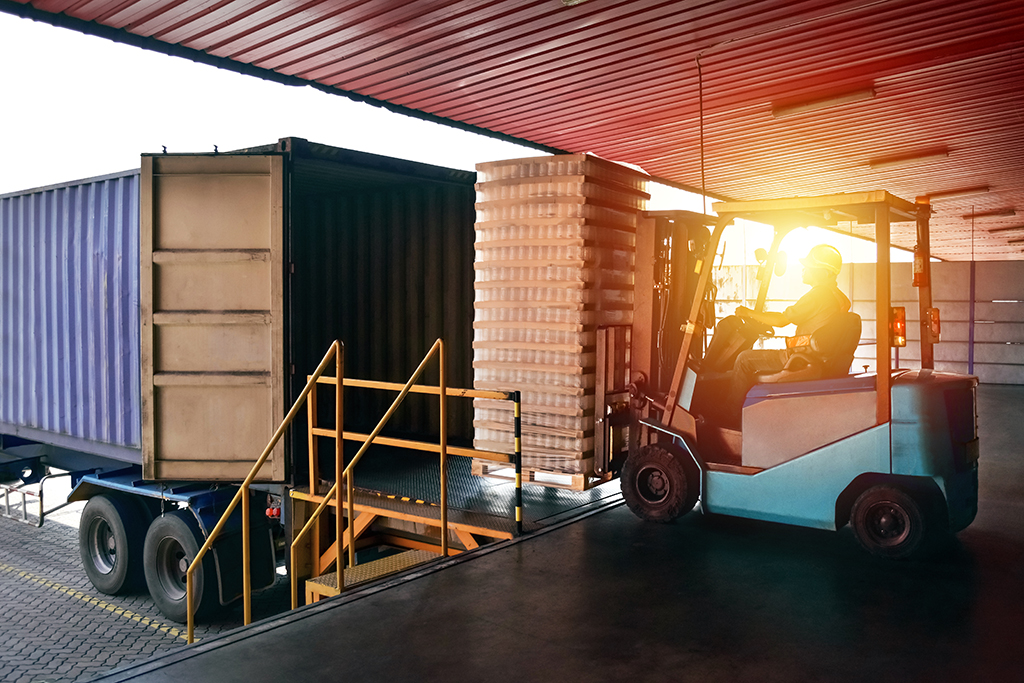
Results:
69 315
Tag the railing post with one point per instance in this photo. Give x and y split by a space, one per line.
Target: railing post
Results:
339 468
518 429
191 626
444 452
350 493
246 559
292 576
196 561
314 460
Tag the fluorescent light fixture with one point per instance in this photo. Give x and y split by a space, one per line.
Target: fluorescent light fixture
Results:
823 101
1008 229
960 192
1020 241
918 157
571 3
996 213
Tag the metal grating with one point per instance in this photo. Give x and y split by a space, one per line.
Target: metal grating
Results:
327 584
620 78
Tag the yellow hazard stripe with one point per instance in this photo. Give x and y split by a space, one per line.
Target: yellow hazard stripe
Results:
404 499
102 604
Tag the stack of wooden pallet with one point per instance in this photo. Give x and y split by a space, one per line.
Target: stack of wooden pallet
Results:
554 261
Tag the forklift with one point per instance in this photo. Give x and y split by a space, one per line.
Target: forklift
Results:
892 452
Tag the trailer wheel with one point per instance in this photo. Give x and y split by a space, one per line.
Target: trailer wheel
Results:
172 543
890 523
110 539
659 484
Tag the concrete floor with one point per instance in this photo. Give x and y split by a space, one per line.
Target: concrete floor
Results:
611 598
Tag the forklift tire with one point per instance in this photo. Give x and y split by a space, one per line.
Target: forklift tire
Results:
173 541
890 523
111 534
659 484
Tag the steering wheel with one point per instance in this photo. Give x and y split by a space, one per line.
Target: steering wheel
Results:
752 328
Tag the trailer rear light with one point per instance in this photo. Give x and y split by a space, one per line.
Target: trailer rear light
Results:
898 326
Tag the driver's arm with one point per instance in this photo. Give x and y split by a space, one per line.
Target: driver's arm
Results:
772 318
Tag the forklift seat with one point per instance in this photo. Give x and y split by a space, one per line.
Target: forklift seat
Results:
829 355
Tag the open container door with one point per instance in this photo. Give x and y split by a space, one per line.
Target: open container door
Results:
212 315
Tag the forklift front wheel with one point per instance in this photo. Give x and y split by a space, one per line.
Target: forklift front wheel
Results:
657 484
889 522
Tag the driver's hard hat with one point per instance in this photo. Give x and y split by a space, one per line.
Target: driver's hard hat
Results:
824 256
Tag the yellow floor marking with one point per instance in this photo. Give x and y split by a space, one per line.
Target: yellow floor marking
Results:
95 601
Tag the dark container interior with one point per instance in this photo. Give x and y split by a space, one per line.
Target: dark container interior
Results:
379 254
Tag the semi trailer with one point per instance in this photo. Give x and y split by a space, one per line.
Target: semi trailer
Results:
157 324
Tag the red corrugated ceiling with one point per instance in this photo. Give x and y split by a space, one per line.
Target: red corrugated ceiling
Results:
620 78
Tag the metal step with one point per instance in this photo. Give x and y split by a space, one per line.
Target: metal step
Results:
327 584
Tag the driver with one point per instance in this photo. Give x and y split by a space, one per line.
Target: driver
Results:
814 310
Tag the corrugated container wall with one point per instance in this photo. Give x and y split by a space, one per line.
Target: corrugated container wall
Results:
380 257
69 315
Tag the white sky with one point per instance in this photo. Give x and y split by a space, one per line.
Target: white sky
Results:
74 106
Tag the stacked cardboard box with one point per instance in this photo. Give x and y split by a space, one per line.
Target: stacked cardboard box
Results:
554 261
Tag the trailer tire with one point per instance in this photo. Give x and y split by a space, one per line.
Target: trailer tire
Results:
889 522
659 484
111 535
173 541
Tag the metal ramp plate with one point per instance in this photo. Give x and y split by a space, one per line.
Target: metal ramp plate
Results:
327 585
417 476
396 507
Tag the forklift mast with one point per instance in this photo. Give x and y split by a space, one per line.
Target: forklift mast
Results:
670 244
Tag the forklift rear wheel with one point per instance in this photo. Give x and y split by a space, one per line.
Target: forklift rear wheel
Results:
658 485
110 539
172 543
889 522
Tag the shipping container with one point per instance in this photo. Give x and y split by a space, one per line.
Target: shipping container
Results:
239 269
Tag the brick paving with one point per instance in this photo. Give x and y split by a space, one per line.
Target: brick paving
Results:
55 627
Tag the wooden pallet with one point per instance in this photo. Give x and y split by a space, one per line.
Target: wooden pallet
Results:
571 481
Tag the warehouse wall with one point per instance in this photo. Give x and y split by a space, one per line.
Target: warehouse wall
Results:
981 335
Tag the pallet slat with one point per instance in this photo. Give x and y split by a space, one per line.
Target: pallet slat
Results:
572 481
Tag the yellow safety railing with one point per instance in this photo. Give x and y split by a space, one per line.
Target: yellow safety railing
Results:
337 350
346 476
